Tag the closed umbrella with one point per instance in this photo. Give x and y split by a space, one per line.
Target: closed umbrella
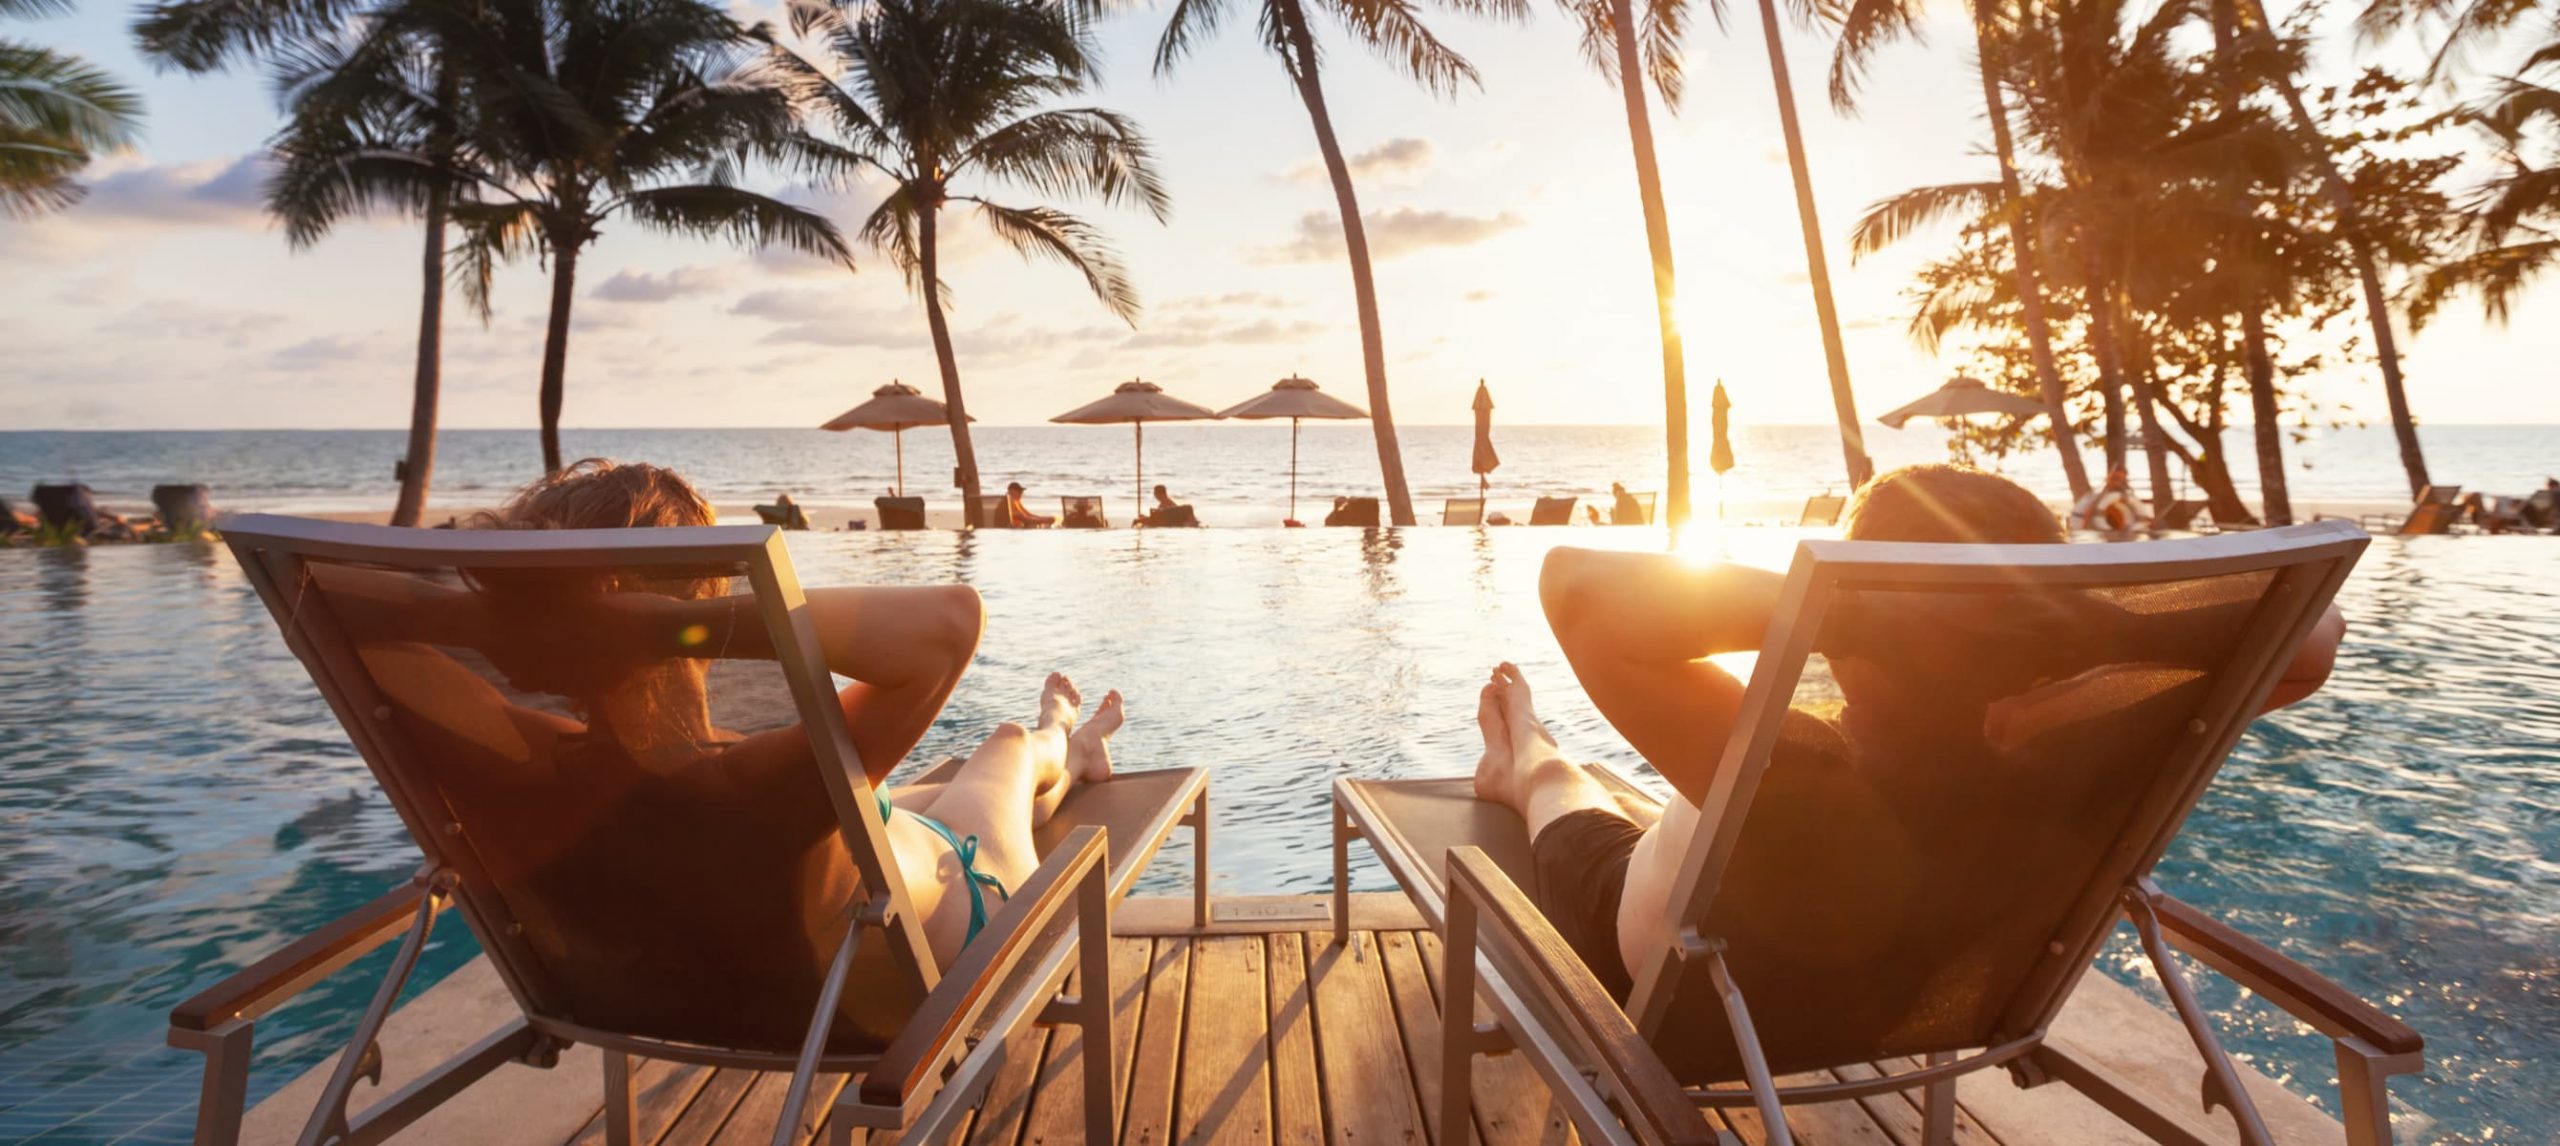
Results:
894 409
1962 397
1720 455
1486 461
1137 402
1293 398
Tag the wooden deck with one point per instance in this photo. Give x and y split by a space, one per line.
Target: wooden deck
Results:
1255 1030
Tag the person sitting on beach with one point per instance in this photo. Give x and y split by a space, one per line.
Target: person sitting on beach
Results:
1624 509
1637 629
597 718
2110 508
1019 515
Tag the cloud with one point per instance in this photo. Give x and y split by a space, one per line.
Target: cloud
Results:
215 192
1234 299
1795 278
842 333
804 305
1394 158
639 286
1209 332
322 352
1478 295
1392 234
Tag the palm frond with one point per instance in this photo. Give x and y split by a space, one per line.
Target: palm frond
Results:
2498 275
717 211
1073 151
66 99
1190 22
891 230
1394 29
490 235
1046 232
208 35
1889 220
1866 26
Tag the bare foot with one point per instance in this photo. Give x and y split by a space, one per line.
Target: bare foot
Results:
1059 701
1493 769
1531 743
1089 748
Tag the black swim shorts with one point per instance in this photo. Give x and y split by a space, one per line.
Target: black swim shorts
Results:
1582 870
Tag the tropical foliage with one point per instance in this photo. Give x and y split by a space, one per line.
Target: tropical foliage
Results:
1394 30
938 96
2514 220
57 112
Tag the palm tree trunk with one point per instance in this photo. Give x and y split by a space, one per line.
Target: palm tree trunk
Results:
1666 292
1835 358
964 453
2260 368
1355 241
2104 348
2027 262
2155 437
418 469
555 348
2377 306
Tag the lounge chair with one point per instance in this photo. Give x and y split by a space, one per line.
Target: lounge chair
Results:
2541 511
992 513
1552 511
2004 882
624 909
2181 515
786 516
2435 510
1173 517
68 510
1644 510
1081 513
185 510
1822 510
899 512
1463 511
1359 511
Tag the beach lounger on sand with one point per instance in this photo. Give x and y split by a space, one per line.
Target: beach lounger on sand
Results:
622 906
2181 515
2436 509
1358 511
67 509
185 510
899 512
992 513
784 516
1643 507
1552 511
1999 884
1463 511
1081 513
1822 510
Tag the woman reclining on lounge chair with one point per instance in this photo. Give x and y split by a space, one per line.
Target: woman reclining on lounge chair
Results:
638 717
1637 628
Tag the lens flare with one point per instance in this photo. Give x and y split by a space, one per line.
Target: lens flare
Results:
693 636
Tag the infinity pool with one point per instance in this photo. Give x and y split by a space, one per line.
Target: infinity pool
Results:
175 800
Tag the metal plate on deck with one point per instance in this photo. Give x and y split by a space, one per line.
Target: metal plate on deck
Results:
1250 912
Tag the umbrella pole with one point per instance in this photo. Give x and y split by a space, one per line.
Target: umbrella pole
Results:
1293 469
901 436
1140 492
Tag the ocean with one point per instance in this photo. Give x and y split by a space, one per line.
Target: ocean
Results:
1237 473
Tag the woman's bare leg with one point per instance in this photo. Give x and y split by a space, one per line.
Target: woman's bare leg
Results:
1522 766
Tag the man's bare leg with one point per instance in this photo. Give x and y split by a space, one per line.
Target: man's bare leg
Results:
1523 767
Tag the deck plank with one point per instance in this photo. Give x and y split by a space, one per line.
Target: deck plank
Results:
702 1118
660 1090
1226 1047
1513 1106
1898 1112
1821 1124
1418 1017
1057 1106
1368 1090
751 1124
997 1121
1148 1119
1297 1089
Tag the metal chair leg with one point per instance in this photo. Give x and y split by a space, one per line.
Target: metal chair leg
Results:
1199 820
1342 835
224 1096
619 1113
1938 1107
1458 1019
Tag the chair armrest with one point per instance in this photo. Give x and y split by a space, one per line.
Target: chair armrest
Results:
264 985
1523 942
969 985
2300 990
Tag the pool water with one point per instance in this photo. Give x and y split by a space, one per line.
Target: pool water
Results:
175 799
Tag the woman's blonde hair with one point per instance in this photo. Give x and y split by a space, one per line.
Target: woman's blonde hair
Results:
600 493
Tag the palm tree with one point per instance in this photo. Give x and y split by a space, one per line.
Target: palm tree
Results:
1610 38
2515 223
2265 413
56 113
1835 357
1391 28
351 80
581 111
937 90
1865 27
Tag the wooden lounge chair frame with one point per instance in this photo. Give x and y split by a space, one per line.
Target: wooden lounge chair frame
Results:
1644 501
1822 509
899 513
2434 510
1615 1087
1463 511
1552 511
1067 513
783 516
935 1067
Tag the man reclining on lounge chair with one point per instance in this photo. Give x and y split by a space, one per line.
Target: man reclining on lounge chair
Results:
959 844
1636 629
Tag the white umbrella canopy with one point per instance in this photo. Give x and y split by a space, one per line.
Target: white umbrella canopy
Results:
893 409
1962 397
1136 402
1293 398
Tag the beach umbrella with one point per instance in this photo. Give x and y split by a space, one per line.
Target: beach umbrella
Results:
1720 455
893 409
1486 461
1293 398
1137 402
1962 397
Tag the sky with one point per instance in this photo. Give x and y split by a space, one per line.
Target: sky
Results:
1504 224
